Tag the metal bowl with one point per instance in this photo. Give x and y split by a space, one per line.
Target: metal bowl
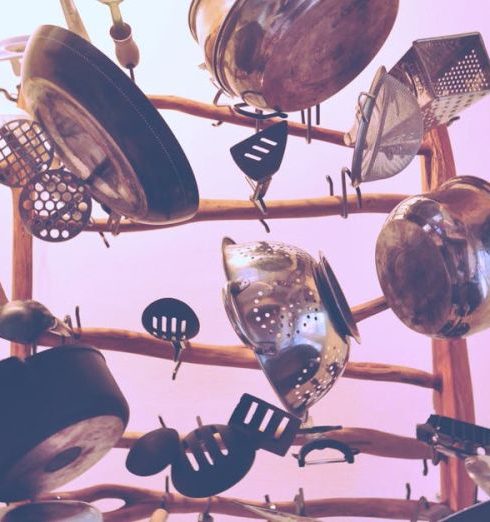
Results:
291 310
433 259
290 55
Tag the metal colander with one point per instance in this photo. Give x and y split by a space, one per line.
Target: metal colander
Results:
446 74
389 130
291 311
25 150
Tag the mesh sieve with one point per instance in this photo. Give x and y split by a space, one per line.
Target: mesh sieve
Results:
390 130
446 74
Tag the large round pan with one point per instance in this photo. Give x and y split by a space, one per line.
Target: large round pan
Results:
105 129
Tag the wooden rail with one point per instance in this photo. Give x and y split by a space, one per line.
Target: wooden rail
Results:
140 504
450 358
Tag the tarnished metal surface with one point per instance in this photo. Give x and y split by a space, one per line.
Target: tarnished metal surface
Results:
276 300
433 259
291 55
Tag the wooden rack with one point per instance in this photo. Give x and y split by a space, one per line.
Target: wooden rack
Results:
450 378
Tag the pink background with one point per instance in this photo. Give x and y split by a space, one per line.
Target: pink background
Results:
113 286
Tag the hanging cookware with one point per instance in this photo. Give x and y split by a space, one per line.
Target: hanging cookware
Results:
215 458
25 321
259 158
347 452
171 320
55 205
67 414
271 428
288 56
12 49
446 74
153 452
53 511
433 260
25 150
475 513
292 311
478 468
388 132
105 130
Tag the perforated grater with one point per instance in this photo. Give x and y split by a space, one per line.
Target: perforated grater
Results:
446 74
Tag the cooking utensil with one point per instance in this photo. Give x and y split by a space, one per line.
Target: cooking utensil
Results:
475 513
159 515
432 259
446 74
153 452
127 51
348 453
53 511
273 515
171 320
291 310
259 158
390 130
453 437
25 321
25 150
271 428
73 19
12 49
67 414
55 205
217 458
258 51
478 468
105 130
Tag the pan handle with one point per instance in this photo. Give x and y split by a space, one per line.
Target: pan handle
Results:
238 107
320 444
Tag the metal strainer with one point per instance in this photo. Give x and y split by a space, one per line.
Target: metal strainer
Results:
388 132
446 74
292 311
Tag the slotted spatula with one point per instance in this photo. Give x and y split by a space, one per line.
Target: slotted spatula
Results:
271 428
259 158
171 320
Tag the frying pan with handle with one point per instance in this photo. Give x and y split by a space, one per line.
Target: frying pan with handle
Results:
105 130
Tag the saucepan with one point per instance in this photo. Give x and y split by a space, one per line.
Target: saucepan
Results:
291 310
433 259
289 56
53 511
105 130
62 411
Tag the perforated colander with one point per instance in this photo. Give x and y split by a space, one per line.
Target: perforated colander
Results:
291 311
25 150
389 130
446 74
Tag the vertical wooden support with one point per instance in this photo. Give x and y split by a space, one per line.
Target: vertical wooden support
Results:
450 358
21 267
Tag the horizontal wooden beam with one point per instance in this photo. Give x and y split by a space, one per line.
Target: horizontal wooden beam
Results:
235 356
371 442
140 504
217 210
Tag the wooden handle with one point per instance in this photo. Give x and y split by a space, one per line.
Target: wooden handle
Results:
127 51
73 19
370 308
159 515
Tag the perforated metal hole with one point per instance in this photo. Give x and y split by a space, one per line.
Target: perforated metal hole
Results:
55 206
24 152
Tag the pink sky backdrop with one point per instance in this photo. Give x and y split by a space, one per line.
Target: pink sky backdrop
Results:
114 286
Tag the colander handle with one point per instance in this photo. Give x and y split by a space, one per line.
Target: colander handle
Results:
320 444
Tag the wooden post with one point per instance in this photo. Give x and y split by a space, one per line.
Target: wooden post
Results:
450 358
21 268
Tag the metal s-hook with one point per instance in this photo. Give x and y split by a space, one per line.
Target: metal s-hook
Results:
346 173
299 503
206 516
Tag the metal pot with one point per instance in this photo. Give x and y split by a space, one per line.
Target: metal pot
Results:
53 511
290 55
292 311
62 411
433 259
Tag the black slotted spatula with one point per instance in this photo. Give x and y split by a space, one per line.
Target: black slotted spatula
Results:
171 320
259 158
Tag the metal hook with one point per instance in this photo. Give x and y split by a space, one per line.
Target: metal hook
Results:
113 223
299 502
330 184
422 504
425 469
307 121
268 502
317 114
258 122
408 491
344 174
199 421
131 73
179 347
360 108
216 98
205 516
10 97
101 234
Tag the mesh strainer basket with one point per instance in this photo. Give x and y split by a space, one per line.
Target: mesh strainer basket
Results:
291 310
389 130
447 74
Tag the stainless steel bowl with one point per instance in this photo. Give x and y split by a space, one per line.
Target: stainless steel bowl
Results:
289 55
433 259
291 310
